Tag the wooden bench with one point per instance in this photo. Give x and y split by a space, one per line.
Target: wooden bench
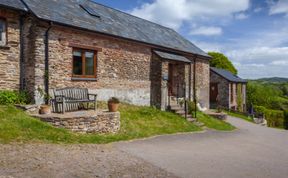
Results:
72 98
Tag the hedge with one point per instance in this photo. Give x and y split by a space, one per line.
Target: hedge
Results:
275 118
286 119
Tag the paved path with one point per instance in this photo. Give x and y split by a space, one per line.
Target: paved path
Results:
251 151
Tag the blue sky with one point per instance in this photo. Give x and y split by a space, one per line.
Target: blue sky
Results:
252 33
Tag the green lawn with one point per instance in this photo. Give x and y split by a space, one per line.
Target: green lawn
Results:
214 123
136 122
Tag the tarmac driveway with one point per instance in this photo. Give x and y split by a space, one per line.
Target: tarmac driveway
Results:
250 151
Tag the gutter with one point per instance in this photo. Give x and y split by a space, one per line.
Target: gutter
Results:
46 73
194 84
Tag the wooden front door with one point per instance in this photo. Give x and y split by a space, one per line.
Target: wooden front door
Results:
213 92
170 80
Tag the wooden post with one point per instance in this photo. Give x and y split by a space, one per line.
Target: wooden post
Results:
194 86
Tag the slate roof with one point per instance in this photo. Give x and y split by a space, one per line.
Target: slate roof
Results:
228 75
173 57
15 4
111 22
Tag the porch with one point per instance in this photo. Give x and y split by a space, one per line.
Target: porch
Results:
177 80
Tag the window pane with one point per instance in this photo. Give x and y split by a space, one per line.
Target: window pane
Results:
89 68
2 30
77 63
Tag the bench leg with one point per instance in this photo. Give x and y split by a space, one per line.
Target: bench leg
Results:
63 106
95 104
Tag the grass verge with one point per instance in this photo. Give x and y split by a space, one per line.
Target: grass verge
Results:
214 123
241 116
136 122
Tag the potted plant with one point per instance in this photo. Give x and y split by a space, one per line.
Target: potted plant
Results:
113 104
44 108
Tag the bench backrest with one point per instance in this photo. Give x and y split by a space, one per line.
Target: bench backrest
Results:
72 93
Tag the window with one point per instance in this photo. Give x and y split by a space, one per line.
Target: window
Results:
2 32
84 63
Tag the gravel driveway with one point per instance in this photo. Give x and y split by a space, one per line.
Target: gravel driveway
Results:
73 161
252 151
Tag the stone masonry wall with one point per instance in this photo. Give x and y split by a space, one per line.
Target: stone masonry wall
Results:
102 122
156 81
203 82
223 89
10 54
123 68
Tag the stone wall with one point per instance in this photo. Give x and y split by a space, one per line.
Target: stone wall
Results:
90 122
223 89
203 82
123 68
156 81
10 54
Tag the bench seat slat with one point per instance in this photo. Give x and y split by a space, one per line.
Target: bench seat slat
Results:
70 98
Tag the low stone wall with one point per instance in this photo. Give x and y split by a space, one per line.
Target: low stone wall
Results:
85 121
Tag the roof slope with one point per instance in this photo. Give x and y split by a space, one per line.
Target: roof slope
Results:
111 22
228 75
15 4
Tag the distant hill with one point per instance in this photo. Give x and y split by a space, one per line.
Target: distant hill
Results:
272 80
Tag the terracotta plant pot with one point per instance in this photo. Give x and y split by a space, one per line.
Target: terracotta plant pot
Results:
45 109
113 107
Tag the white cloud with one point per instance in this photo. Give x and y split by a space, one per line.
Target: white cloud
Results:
258 9
241 16
280 62
261 61
172 14
206 31
280 7
259 54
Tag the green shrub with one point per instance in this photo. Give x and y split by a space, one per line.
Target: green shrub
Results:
114 100
286 119
192 108
275 118
13 97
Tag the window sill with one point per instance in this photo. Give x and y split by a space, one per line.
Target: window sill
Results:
83 79
4 47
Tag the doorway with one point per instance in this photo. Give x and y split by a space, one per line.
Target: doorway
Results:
213 92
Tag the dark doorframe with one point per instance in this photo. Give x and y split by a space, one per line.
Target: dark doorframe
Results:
170 79
213 92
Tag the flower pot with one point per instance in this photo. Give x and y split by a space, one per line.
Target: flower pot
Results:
45 109
113 107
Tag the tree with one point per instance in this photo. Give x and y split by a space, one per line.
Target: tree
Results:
219 60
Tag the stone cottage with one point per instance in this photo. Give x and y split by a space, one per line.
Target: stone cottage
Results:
48 44
227 90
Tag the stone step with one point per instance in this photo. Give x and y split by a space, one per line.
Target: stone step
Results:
180 112
188 115
176 108
191 119
199 124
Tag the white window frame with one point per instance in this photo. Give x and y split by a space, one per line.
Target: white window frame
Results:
3 33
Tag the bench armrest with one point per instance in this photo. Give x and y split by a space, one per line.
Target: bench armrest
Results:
94 96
